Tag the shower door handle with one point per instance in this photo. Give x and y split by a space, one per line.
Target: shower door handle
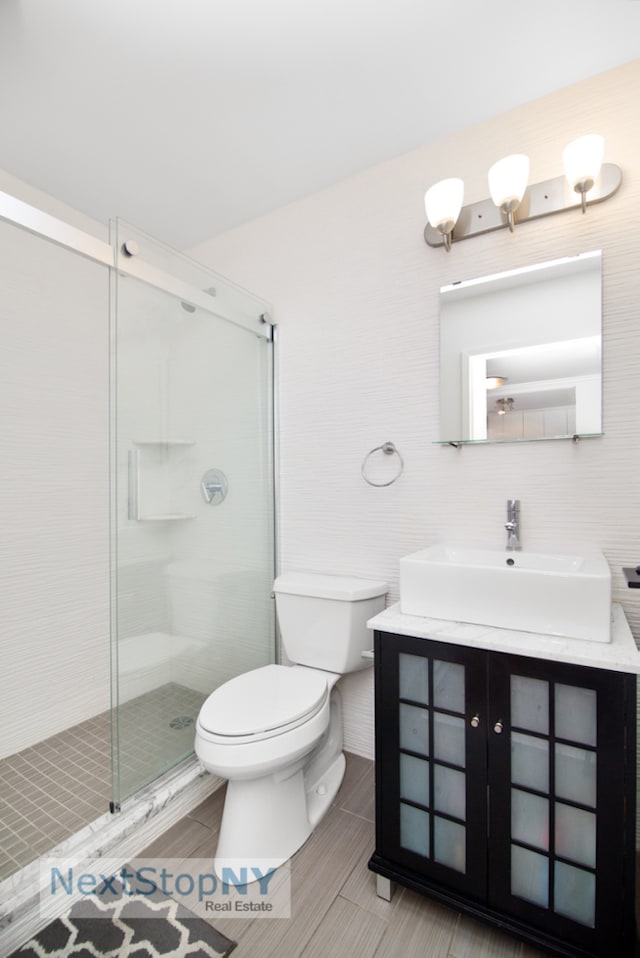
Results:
133 510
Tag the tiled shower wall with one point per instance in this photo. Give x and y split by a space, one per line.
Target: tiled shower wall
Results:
355 290
54 494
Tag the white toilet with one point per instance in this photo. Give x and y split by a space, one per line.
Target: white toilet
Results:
276 732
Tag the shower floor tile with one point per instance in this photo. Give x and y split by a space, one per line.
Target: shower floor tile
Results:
51 790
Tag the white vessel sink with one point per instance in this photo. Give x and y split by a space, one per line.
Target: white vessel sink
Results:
565 595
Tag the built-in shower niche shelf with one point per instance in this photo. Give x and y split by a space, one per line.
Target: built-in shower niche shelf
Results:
164 442
161 474
167 517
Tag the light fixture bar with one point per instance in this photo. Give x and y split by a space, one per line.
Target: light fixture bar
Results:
540 199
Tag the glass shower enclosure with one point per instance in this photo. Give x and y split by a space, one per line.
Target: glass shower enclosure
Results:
192 499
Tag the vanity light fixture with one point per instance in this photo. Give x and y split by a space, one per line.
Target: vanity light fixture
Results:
586 179
582 160
508 180
494 382
443 202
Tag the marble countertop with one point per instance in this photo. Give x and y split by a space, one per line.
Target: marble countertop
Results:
619 655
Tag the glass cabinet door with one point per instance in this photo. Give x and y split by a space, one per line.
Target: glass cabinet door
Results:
556 777
434 737
505 786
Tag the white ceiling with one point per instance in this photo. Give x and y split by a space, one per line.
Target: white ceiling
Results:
191 117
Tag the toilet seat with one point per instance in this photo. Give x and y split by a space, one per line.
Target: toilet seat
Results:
263 703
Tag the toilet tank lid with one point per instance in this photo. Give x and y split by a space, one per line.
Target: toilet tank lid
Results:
346 588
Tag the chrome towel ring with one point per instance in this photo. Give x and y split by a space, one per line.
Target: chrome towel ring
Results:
388 449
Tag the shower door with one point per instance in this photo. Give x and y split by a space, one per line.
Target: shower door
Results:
192 499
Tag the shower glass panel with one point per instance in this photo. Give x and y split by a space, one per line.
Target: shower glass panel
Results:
192 391
55 764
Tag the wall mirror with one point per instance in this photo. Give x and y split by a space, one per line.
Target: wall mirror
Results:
521 353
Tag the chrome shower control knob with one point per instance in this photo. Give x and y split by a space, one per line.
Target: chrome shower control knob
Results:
497 728
475 721
214 486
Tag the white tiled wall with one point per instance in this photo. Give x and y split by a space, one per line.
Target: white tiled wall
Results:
355 291
54 493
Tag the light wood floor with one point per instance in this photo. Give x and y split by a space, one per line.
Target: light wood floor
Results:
334 909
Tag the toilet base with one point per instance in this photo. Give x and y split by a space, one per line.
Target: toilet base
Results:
321 794
265 821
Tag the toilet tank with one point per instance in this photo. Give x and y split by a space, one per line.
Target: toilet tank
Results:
323 618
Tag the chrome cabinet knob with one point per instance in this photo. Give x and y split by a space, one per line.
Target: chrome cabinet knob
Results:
475 721
497 728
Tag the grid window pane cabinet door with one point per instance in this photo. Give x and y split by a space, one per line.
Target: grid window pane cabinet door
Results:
559 777
505 786
429 734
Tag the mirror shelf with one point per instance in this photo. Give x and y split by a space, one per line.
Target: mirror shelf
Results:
493 442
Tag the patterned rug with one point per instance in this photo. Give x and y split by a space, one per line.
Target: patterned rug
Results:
132 927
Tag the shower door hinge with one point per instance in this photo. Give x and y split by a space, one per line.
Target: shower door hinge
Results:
114 807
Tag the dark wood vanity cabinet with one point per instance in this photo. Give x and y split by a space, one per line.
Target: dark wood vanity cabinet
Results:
505 787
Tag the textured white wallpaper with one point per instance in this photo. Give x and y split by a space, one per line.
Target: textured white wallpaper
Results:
355 291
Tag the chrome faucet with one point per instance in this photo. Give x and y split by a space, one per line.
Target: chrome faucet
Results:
512 525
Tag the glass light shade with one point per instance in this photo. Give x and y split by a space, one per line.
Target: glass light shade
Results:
508 180
582 159
443 202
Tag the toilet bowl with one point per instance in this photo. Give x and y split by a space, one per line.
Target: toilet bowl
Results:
276 732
